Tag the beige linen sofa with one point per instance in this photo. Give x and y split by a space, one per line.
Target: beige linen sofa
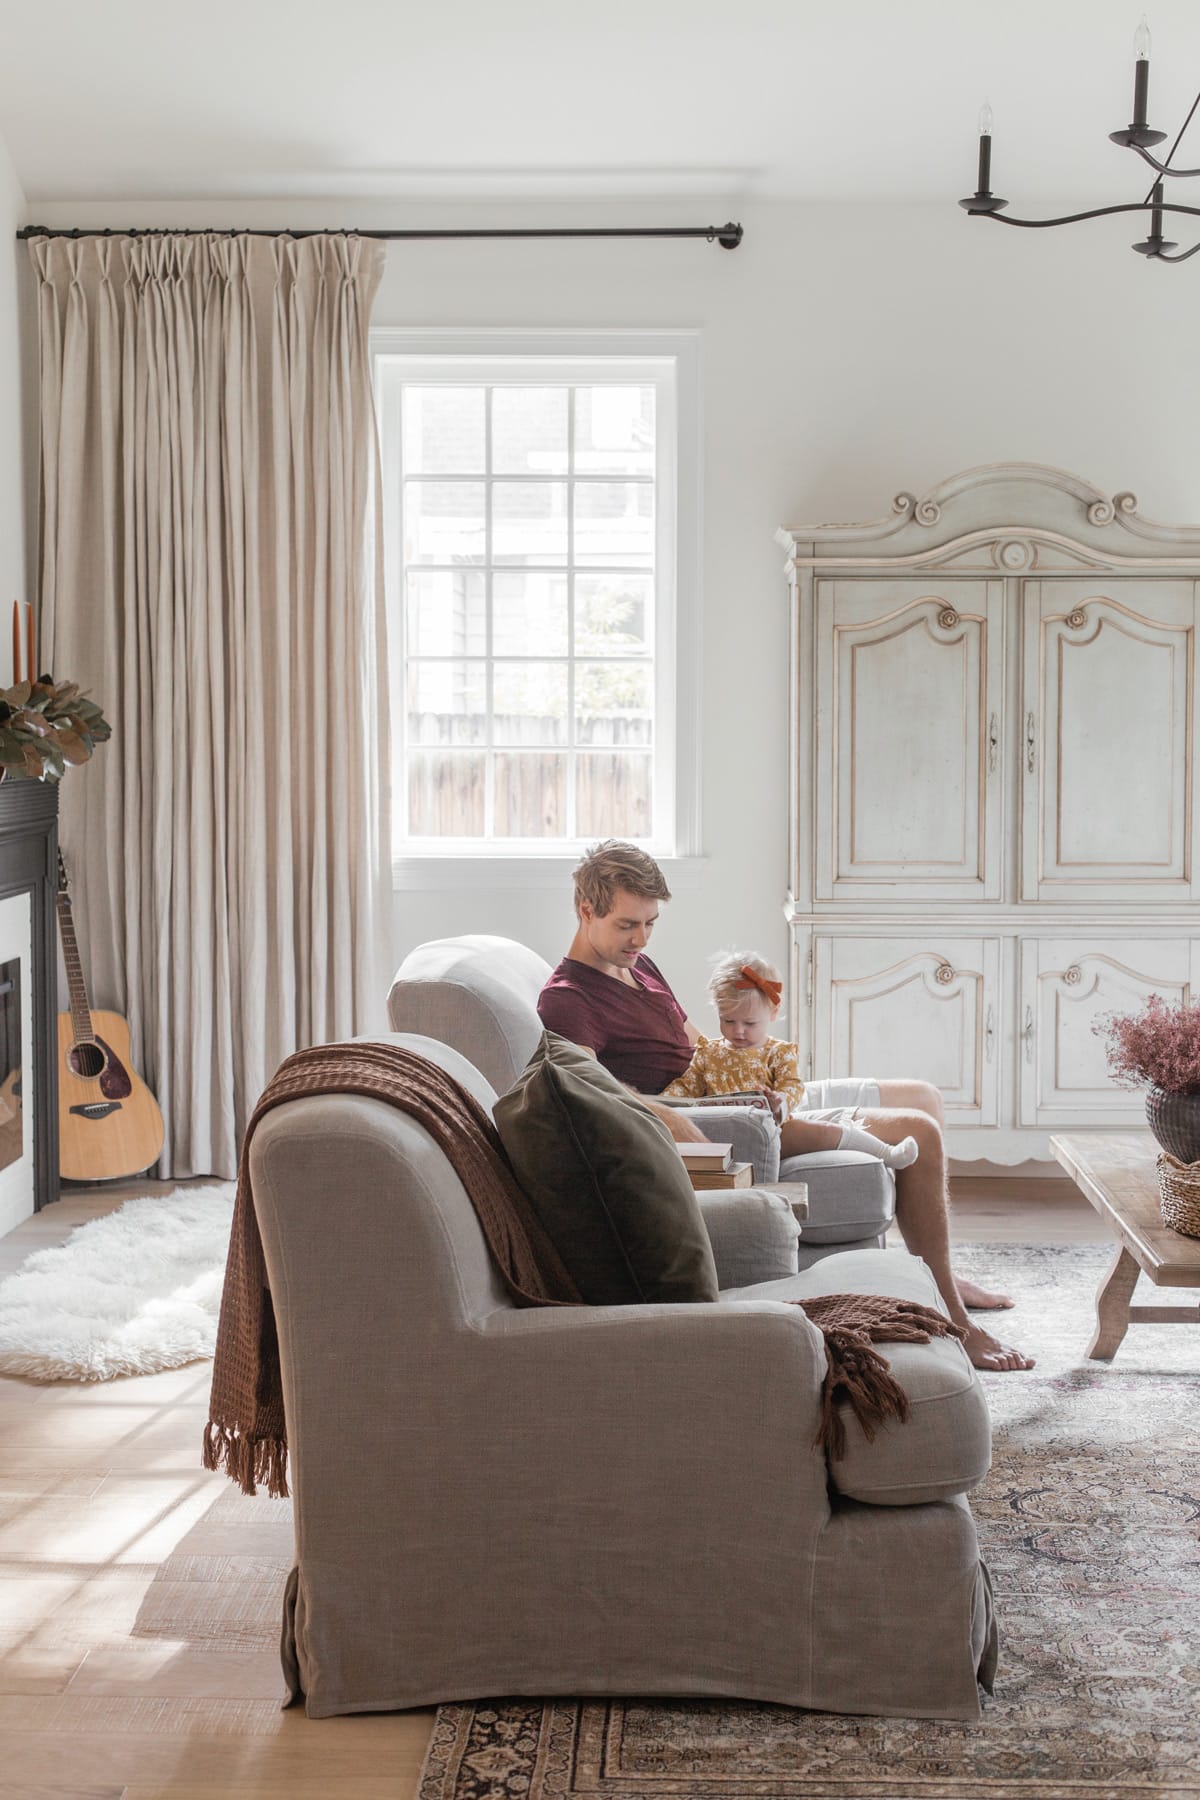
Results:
478 993
595 1500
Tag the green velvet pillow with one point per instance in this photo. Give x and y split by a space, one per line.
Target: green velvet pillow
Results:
606 1181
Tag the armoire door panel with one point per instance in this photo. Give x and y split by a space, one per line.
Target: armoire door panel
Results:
912 1008
1110 720
908 681
1066 986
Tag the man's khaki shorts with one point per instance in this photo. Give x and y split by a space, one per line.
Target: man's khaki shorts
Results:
839 1100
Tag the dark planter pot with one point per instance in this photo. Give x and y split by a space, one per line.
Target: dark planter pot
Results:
1175 1121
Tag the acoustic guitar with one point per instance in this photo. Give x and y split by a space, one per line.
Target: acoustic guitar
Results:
109 1125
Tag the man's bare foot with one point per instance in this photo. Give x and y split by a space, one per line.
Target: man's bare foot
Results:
981 1298
987 1352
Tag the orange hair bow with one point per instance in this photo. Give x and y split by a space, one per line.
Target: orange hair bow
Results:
771 990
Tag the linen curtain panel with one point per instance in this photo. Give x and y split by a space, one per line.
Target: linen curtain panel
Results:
209 477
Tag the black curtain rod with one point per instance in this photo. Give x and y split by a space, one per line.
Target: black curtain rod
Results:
729 235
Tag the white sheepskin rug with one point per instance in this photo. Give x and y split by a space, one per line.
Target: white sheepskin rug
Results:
128 1294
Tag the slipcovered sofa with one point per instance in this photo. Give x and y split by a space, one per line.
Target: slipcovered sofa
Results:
479 993
596 1500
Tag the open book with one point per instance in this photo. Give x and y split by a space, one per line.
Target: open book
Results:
751 1098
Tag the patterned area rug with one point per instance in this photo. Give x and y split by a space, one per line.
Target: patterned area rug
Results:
1090 1523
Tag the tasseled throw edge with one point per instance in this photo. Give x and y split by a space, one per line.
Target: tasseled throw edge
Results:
860 1376
250 1462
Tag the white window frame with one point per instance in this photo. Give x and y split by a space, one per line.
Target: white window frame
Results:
672 360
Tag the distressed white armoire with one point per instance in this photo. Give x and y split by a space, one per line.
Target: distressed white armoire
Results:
994 796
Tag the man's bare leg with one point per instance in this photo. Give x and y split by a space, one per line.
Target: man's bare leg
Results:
681 1128
923 1217
926 1098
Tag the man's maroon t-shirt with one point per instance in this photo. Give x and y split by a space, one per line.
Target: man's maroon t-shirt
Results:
637 1032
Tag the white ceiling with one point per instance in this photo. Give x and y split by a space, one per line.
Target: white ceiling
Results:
852 100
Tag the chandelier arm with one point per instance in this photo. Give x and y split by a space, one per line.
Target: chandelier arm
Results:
1174 147
1182 257
1096 212
1161 167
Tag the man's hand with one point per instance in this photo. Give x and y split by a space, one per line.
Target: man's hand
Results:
678 1124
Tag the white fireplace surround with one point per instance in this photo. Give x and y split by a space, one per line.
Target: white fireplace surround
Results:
16 1178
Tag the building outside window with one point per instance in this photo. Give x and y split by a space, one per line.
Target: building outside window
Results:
532 553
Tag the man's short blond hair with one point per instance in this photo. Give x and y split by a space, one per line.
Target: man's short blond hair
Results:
611 865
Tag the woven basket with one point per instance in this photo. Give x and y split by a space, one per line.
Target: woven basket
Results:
1179 1194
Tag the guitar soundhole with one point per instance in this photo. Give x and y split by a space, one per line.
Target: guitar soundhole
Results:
86 1060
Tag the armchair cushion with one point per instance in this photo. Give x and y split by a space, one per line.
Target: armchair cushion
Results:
944 1448
850 1196
753 1235
751 1131
606 1181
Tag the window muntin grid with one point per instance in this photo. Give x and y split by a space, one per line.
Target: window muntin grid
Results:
531 556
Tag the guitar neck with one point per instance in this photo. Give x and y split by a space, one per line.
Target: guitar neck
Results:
81 1012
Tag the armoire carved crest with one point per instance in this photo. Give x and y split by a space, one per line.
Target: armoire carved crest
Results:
995 806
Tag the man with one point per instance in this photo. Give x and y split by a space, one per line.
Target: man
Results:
608 997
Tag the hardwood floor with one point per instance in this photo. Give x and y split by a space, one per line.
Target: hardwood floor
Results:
98 1487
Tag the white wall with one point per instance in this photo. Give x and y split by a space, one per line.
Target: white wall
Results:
849 352
15 574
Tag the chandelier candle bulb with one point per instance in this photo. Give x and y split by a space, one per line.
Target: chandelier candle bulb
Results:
984 183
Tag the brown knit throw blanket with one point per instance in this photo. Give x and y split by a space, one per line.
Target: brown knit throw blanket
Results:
246 1433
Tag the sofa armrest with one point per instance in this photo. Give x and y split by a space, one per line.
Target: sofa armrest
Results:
750 1129
753 1235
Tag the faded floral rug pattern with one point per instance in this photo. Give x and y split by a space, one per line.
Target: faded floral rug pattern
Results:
1090 1524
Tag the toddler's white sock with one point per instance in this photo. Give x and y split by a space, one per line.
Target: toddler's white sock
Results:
896 1156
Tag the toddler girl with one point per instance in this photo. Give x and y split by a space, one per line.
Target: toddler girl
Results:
746 992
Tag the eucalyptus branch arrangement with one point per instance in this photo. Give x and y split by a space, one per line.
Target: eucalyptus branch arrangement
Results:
45 725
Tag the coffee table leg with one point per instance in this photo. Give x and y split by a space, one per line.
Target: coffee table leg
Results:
1112 1306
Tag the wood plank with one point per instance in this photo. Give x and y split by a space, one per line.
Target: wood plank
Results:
1116 1172
26 1790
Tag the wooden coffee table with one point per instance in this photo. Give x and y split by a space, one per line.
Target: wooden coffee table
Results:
1117 1174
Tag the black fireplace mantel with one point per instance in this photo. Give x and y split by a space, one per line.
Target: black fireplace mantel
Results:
29 865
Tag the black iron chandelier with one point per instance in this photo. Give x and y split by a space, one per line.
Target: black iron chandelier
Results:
1137 136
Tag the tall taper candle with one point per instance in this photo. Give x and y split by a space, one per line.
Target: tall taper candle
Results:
1141 71
984 182
16 642
30 661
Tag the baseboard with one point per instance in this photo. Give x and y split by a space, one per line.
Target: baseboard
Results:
1017 1172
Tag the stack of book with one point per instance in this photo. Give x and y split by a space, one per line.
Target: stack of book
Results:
711 1166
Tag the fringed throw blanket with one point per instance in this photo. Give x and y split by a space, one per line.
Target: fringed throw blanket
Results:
246 1434
857 1374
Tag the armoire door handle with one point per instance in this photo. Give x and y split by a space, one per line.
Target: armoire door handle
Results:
1027 1034
989 1034
1030 742
993 743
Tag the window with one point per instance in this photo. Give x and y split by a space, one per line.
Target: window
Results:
531 539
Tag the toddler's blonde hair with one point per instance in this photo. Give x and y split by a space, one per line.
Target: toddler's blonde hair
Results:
723 989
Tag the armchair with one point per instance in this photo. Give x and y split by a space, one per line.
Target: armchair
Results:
594 1500
479 994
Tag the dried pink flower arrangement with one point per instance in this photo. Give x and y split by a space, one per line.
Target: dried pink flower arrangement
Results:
1157 1047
